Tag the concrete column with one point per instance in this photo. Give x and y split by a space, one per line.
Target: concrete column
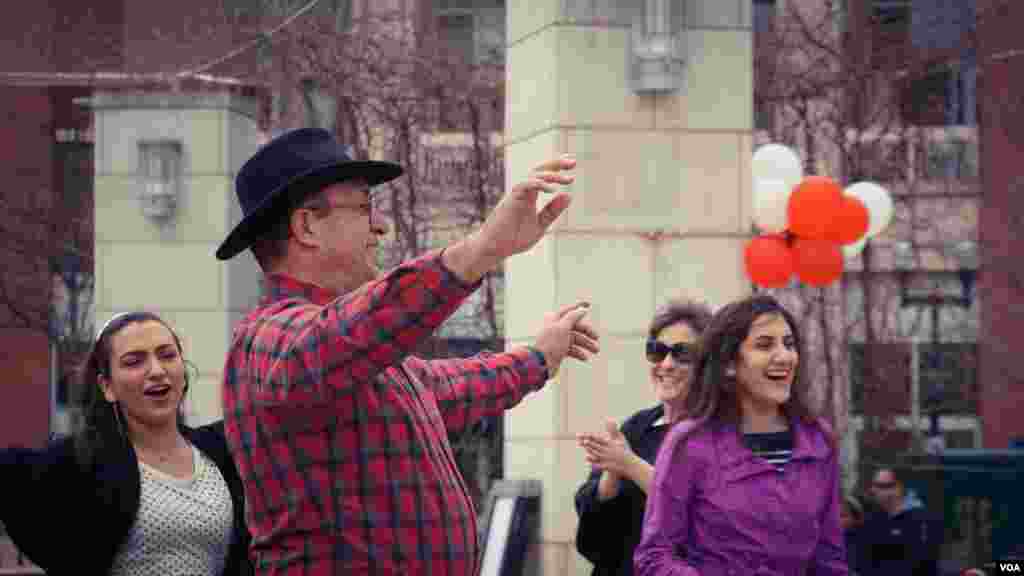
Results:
166 264
661 208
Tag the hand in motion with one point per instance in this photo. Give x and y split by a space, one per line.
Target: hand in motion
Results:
567 333
516 225
608 451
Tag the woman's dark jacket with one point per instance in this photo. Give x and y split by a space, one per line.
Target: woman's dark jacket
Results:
73 521
609 531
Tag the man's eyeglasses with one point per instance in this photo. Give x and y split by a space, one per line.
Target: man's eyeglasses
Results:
682 352
364 208
883 485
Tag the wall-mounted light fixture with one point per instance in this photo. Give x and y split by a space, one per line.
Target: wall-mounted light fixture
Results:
160 175
656 47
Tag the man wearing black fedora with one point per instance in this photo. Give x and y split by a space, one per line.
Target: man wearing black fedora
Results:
339 433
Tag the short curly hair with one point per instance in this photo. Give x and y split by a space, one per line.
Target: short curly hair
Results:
696 315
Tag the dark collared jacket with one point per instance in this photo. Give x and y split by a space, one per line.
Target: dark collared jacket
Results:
68 520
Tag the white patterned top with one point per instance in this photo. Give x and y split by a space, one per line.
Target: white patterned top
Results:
183 527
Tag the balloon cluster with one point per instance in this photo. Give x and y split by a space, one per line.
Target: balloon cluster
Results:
809 223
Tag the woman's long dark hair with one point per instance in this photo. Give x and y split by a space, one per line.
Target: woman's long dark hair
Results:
712 393
98 424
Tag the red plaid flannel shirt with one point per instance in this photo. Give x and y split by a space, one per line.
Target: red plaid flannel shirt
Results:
341 437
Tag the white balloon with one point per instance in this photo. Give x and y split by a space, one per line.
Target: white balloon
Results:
769 204
851 251
777 162
878 202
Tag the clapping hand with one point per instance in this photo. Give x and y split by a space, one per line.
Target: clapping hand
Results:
608 451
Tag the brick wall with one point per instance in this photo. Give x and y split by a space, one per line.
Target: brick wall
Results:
1002 220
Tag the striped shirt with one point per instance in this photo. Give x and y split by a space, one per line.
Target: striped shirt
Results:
341 437
775 447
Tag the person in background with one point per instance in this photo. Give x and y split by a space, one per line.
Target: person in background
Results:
902 537
749 482
133 491
851 519
610 504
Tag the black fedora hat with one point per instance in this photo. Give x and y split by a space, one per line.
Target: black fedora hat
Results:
292 165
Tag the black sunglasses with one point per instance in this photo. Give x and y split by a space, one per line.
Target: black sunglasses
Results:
682 352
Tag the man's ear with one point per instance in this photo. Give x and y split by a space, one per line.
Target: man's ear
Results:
305 227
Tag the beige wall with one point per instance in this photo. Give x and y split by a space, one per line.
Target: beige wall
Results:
660 208
168 266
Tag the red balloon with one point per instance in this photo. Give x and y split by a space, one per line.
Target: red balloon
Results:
814 207
817 262
769 261
852 222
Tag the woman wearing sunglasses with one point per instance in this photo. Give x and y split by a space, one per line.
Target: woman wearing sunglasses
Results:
611 502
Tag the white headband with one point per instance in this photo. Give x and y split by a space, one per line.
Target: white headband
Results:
108 322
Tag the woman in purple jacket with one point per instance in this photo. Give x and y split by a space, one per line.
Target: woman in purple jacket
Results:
749 484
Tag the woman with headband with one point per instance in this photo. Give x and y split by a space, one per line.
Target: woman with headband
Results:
133 490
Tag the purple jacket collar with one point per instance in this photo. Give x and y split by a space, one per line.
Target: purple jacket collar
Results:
807 444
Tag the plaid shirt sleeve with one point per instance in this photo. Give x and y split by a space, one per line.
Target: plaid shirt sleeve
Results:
349 342
484 385
340 436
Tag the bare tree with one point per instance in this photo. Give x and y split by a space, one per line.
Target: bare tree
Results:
829 80
46 246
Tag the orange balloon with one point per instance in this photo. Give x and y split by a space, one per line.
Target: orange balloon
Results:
769 261
852 223
817 262
814 207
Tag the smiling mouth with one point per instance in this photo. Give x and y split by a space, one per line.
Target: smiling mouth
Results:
778 376
161 391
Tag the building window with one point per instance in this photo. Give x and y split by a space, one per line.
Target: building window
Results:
890 28
946 95
947 377
74 168
888 387
456 28
881 160
950 159
891 12
948 373
474 30
764 16
946 155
